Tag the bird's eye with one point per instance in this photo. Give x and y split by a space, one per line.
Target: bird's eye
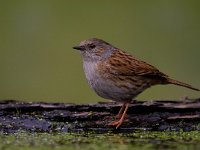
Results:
92 46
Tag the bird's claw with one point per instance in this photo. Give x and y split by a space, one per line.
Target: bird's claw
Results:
115 123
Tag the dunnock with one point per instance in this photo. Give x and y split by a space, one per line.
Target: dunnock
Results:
113 74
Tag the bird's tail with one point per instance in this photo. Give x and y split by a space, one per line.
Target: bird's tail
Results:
172 81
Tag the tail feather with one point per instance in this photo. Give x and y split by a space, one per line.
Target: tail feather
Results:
171 81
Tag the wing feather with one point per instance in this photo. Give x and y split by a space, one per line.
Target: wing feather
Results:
123 64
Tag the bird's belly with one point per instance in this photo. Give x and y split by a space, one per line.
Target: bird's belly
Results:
107 88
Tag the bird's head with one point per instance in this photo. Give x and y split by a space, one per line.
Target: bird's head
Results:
94 49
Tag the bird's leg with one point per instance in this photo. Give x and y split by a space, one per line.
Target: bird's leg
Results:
119 115
119 122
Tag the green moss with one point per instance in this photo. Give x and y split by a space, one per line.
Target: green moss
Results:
137 140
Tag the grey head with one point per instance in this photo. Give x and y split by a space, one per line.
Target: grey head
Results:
95 49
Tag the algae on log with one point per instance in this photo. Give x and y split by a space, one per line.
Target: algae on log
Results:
63 117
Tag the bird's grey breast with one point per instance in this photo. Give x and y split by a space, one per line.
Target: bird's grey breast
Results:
90 69
90 65
96 80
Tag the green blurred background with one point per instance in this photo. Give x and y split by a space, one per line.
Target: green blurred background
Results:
37 62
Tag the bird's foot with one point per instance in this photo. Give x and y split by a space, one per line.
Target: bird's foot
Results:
116 123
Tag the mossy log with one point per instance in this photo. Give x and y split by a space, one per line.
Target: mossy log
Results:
156 115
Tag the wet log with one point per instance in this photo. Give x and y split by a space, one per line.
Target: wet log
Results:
165 115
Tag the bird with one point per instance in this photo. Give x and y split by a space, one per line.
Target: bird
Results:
116 75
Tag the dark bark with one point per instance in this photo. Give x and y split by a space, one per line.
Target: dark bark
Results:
63 117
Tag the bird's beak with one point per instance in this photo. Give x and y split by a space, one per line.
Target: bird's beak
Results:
81 48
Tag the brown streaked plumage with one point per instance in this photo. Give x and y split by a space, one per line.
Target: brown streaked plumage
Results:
116 75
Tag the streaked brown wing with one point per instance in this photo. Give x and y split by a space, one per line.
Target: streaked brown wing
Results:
121 63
